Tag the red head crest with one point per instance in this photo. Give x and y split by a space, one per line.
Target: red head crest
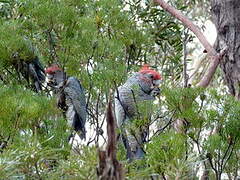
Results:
52 69
146 70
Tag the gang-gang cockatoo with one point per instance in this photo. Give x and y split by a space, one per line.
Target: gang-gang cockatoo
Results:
71 98
133 102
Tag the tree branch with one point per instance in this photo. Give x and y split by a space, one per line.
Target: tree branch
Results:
211 69
185 75
215 58
109 167
189 24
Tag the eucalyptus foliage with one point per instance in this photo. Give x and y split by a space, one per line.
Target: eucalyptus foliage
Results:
101 43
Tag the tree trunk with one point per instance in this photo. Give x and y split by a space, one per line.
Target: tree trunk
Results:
226 17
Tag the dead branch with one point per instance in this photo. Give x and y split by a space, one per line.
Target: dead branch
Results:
109 168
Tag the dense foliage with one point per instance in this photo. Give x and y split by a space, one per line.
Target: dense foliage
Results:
101 43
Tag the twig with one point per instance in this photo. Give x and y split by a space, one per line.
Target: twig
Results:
158 117
97 114
135 101
37 171
162 129
230 153
185 75
211 163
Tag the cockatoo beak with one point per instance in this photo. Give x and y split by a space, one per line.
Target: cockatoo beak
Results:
49 78
50 81
156 83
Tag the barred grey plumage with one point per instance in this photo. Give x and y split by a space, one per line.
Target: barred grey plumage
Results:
76 105
71 99
36 73
132 103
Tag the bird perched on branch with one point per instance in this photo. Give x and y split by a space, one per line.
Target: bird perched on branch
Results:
31 69
132 109
71 98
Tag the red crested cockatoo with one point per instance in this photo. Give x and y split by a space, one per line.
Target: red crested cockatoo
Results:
140 89
71 98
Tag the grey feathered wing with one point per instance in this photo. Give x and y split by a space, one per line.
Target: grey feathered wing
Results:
76 103
36 73
132 102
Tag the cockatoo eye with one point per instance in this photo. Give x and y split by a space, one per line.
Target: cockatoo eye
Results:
150 76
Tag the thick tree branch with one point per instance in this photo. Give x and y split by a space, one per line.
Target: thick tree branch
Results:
211 69
215 58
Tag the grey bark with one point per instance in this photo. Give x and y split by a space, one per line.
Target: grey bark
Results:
226 17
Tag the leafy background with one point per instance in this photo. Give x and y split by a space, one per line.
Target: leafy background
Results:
101 43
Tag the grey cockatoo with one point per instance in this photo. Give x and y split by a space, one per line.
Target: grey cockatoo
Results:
31 69
132 103
71 98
